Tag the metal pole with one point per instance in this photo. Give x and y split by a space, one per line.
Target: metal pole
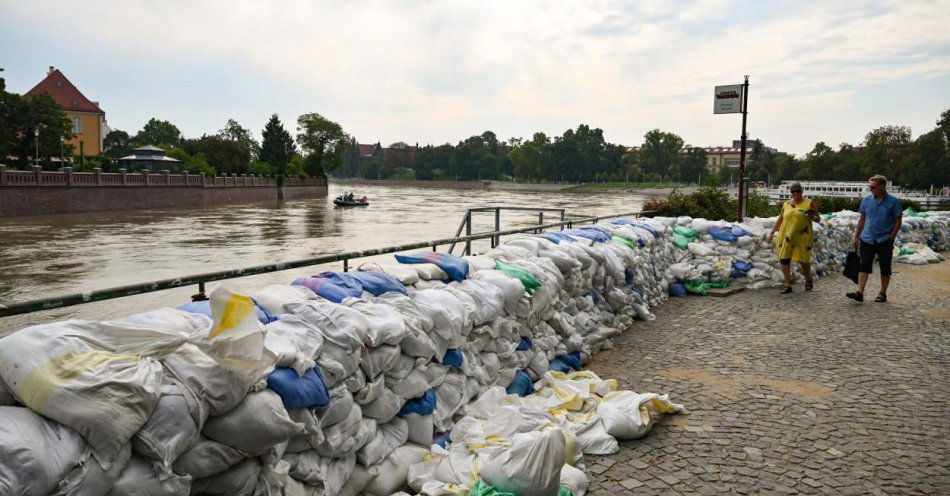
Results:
468 232
540 220
496 240
745 111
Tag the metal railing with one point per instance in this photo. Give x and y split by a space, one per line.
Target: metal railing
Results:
466 223
69 178
201 279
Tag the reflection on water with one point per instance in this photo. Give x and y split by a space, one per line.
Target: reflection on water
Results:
51 255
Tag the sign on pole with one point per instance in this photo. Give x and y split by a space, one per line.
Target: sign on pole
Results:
728 99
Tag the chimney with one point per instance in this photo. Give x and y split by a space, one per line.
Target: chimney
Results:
51 69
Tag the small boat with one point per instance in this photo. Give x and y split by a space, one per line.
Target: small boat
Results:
356 202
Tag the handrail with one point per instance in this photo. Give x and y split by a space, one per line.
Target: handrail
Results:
467 221
200 279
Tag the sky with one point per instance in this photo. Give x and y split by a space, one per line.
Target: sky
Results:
441 71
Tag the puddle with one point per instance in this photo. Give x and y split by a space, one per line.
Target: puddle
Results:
730 385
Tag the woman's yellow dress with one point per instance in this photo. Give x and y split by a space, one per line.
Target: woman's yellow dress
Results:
795 237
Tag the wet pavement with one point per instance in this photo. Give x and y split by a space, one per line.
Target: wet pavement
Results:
805 393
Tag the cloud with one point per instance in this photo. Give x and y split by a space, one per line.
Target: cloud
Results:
442 71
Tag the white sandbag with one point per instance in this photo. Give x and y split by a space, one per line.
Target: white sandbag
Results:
275 297
420 428
387 438
220 387
411 386
371 391
254 426
102 379
329 473
384 407
207 458
341 325
35 453
449 398
489 299
629 415
574 480
358 480
435 374
338 434
532 467
445 310
380 359
404 273
430 272
386 325
173 426
592 437
312 434
304 339
394 469
143 478
239 480
90 478
478 263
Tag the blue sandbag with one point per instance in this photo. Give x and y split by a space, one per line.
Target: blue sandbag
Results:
453 358
594 296
323 287
738 231
308 391
521 385
204 308
723 234
677 289
647 227
524 345
344 280
423 405
623 222
455 267
566 363
557 237
379 283
592 234
444 439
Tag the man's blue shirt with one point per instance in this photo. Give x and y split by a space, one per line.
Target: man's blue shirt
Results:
879 217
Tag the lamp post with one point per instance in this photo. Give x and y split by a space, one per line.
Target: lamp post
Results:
36 157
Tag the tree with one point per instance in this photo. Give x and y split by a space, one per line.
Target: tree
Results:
32 113
277 146
693 165
532 157
117 144
322 140
156 132
227 156
660 152
928 164
194 164
885 148
235 132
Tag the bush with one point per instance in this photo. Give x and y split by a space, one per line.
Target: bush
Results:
260 168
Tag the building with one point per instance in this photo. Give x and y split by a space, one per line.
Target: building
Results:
720 159
89 121
151 158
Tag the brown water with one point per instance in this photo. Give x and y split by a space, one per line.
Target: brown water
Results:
52 255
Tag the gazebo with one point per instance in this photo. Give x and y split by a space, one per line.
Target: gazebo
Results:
151 158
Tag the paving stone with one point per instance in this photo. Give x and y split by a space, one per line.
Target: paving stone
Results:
630 483
780 404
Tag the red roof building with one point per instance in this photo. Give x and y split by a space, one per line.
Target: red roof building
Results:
89 121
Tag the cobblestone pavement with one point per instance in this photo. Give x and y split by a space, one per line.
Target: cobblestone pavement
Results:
803 393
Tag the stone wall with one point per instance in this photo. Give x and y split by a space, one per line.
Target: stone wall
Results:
42 192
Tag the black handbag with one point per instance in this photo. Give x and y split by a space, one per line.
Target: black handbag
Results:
852 265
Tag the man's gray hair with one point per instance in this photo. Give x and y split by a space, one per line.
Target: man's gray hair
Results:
796 185
879 180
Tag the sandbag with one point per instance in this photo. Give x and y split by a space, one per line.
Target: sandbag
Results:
295 343
330 474
143 478
35 453
360 478
455 267
254 426
328 288
629 415
386 325
394 469
239 480
206 458
173 426
308 391
420 428
273 298
378 283
387 438
221 388
532 467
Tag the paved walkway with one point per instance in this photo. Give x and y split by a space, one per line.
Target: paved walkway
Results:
803 393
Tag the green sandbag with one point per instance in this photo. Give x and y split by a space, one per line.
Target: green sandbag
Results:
680 241
685 231
625 241
483 488
696 286
527 279
719 284
904 251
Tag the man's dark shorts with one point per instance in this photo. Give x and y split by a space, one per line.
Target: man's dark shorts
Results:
884 252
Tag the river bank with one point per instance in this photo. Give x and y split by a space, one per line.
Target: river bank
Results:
645 189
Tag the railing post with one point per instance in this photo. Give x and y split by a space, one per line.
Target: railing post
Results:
243 179
37 174
145 174
97 171
200 296
468 232
540 221
166 173
3 174
187 180
562 219
122 178
496 240
68 171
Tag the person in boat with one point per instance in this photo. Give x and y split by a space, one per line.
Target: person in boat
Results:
795 235
874 236
348 197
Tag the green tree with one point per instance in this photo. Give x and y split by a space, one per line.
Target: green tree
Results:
226 156
531 158
819 163
277 146
323 141
928 164
296 166
693 165
194 164
40 112
235 132
260 168
885 149
660 152
156 132
117 144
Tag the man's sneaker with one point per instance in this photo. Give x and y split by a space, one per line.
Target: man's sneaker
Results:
856 296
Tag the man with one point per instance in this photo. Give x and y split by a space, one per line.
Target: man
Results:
875 234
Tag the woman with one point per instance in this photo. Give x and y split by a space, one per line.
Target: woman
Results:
795 235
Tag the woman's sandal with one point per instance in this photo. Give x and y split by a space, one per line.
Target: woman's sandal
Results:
785 290
809 285
881 298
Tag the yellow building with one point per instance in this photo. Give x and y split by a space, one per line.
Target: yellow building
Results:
89 121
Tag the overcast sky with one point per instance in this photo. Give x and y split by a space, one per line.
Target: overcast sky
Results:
436 72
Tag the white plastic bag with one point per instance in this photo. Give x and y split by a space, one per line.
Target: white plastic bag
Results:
35 453
387 438
254 426
629 415
532 466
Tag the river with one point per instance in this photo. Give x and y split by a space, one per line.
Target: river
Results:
52 255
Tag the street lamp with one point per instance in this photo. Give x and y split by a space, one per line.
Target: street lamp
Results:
36 158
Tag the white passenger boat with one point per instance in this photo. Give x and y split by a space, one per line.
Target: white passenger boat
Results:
856 190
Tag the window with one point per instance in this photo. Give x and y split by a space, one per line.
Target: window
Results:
59 84
732 162
77 125
75 102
